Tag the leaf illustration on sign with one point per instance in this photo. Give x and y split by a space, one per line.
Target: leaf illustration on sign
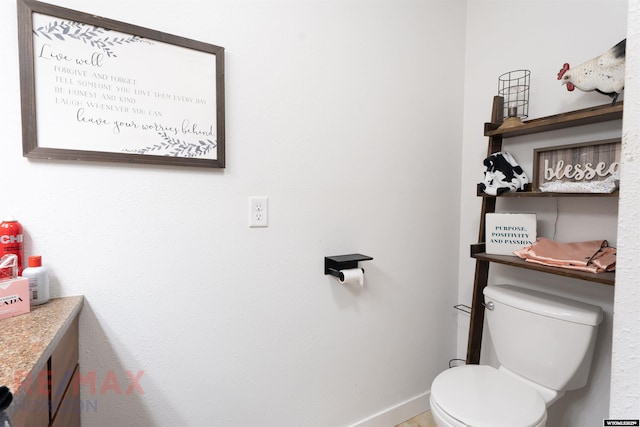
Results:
88 34
177 147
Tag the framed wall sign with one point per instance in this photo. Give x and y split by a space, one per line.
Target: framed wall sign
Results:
101 90
589 167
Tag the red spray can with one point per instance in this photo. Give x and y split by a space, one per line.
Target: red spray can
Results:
12 240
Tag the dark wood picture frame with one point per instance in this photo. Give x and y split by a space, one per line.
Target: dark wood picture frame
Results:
587 154
179 142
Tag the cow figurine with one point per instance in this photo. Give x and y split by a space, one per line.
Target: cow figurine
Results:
502 174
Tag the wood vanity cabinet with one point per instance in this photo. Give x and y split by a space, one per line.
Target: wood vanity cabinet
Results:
53 398
599 114
65 390
49 395
34 408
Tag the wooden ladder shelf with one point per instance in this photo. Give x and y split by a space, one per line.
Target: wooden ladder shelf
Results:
495 135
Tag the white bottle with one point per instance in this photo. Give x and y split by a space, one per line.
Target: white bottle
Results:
38 276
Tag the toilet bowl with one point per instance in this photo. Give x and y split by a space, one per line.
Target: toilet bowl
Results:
544 345
482 396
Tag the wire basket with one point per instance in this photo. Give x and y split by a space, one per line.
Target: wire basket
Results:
513 87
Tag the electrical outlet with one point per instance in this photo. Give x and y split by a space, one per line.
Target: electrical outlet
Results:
258 211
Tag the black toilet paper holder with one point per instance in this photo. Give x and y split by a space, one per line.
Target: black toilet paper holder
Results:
333 264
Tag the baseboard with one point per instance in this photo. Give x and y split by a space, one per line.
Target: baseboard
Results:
397 414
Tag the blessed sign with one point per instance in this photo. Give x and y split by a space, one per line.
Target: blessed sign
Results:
588 166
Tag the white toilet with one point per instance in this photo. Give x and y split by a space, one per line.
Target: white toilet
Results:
544 344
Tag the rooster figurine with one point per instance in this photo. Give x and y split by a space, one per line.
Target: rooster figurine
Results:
604 73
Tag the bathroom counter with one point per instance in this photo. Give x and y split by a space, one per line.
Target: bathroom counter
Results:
27 344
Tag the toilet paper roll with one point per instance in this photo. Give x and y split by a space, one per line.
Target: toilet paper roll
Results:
352 275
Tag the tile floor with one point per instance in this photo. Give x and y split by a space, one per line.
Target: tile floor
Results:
422 420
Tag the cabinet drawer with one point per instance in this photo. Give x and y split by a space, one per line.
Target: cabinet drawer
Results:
33 410
68 414
63 364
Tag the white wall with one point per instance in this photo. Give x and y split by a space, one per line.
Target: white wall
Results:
258 336
347 115
625 371
541 36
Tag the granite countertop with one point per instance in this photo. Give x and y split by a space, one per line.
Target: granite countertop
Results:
27 340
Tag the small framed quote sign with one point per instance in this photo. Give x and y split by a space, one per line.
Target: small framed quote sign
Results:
507 232
590 167
97 89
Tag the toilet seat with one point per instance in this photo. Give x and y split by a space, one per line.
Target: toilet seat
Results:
482 396
441 418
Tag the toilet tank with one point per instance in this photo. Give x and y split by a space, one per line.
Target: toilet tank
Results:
542 337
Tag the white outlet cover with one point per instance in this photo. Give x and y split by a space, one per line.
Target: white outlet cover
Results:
258 211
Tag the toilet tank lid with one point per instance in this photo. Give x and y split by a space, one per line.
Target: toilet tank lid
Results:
545 304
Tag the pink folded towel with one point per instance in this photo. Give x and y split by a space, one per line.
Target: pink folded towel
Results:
594 256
